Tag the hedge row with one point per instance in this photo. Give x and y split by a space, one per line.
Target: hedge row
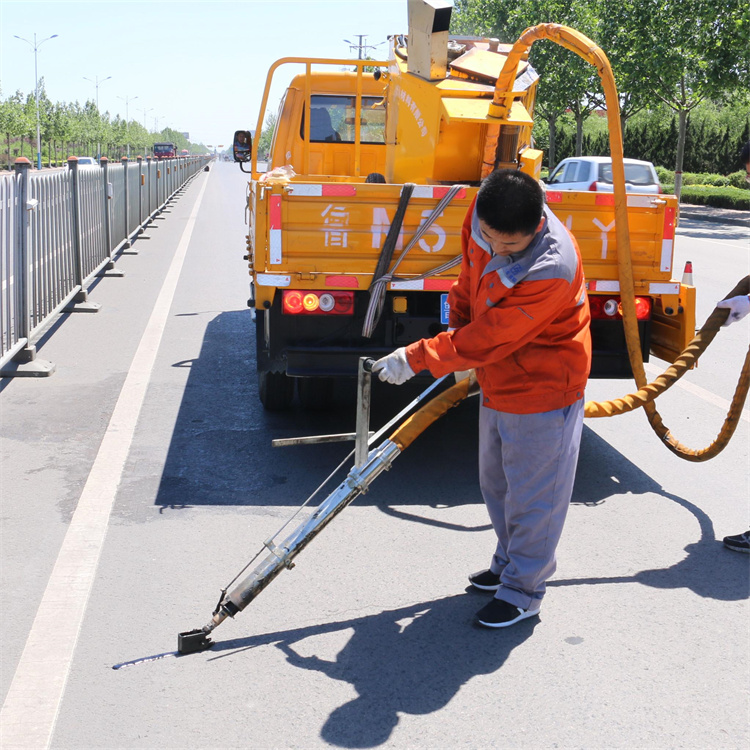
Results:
718 197
736 179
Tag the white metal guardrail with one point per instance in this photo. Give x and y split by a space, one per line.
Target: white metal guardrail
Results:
60 229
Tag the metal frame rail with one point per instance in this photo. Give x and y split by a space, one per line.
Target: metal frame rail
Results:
61 229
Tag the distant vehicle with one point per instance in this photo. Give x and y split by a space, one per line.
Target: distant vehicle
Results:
165 150
184 152
594 173
87 161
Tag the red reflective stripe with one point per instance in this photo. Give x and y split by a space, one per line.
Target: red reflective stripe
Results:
605 199
554 196
274 211
350 282
669 223
441 192
591 286
434 285
339 190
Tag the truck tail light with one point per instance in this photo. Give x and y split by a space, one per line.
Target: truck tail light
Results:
295 302
605 307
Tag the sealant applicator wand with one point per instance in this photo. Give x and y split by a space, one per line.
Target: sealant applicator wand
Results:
368 465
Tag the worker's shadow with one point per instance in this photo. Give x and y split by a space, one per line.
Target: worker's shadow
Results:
708 569
411 660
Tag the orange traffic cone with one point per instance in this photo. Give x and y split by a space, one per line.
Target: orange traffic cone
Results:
687 275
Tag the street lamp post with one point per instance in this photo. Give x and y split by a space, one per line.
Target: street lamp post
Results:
97 83
35 47
127 99
145 112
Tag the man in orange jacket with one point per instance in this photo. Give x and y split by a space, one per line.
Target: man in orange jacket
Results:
519 315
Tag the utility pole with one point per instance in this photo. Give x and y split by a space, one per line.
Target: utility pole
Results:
360 46
97 83
35 47
127 99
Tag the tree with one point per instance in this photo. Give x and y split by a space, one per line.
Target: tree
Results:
693 50
13 120
266 136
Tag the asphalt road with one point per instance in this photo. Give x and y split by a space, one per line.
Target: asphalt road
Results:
151 431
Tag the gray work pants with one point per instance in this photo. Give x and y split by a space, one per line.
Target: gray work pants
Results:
527 466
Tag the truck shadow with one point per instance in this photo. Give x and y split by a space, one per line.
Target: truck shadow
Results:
431 654
220 454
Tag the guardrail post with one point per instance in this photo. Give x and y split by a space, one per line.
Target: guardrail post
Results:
109 269
80 300
140 193
24 361
149 210
128 242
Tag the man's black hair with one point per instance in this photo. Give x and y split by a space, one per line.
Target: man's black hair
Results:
510 201
745 154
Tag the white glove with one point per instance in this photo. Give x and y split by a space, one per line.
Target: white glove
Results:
738 307
394 368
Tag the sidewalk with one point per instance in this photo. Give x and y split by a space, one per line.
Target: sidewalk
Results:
719 215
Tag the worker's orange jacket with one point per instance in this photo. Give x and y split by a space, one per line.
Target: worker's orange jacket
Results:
522 321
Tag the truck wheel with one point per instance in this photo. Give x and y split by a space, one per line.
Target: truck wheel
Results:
276 390
315 394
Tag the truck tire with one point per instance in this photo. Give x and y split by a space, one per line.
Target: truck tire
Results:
276 390
315 394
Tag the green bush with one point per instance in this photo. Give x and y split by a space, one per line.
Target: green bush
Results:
665 175
719 197
693 178
737 179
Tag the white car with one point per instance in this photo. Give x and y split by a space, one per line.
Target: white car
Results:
595 173
87 161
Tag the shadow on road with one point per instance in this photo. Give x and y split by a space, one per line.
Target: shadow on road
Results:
221 455
411 660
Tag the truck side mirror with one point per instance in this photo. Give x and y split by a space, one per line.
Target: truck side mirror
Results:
242 145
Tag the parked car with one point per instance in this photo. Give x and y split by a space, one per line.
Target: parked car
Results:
87 161
595 173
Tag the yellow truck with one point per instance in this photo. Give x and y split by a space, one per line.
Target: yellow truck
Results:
355 226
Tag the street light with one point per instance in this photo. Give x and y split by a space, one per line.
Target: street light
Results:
145 112
127 99
97 83
35 47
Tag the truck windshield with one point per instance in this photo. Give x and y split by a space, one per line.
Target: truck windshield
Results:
332 119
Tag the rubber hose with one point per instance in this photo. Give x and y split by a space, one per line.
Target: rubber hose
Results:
687 359
418 422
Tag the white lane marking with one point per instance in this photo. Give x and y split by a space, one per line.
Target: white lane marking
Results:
696 390
28 716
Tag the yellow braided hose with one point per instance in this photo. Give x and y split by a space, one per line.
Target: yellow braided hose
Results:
647 392
418 422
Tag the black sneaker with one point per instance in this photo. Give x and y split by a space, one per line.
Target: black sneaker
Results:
500 614
485 580
739 543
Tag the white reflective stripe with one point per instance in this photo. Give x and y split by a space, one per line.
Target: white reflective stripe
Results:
607 286
666 255
275 237
664 288
306 190
270 279
422 191
408 284
641 201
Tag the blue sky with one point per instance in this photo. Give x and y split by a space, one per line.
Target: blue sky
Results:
198 67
